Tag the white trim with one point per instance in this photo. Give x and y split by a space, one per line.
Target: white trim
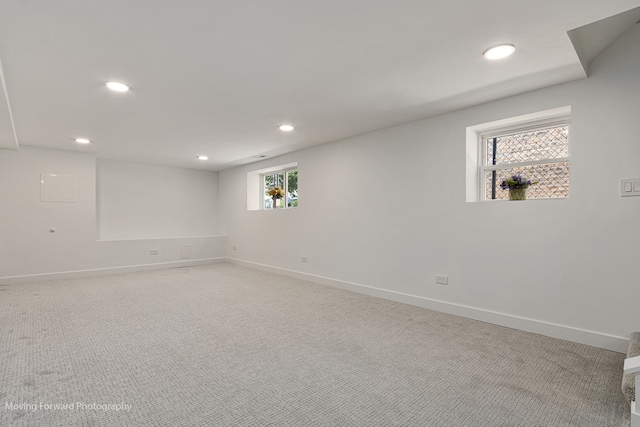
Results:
277 168
632 365
569 333
105 271
503 166
138 239
523 120
3 81
523 127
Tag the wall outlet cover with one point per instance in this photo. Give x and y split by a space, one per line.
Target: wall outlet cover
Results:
442 279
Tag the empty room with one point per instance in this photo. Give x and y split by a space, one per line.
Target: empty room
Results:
319 213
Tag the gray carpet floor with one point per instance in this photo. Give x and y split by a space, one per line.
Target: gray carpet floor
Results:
224 345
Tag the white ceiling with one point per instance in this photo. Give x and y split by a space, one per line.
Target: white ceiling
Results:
217 77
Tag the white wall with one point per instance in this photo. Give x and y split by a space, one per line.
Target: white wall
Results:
382 213
137 201
28 249
28 244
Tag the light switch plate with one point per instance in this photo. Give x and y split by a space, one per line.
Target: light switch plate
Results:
629 187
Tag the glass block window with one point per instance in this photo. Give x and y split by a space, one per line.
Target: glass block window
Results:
541 153
280 189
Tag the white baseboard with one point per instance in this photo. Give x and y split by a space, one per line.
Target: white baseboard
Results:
569 333
105 271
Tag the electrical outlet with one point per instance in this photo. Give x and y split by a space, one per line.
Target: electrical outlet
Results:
303 259
442 279
153 252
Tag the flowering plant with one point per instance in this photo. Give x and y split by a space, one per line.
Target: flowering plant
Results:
276 192
516 181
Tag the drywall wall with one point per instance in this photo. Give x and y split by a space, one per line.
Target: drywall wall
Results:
29 244
55 239
138 201
384 212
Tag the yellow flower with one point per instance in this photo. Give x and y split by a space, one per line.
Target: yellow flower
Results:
276 192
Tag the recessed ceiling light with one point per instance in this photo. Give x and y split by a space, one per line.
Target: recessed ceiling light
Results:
203 157
82 141
499 52
117 86
286 128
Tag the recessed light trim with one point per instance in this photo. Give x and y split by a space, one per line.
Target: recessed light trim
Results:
203 157
286 128
83 140
117 86
499 52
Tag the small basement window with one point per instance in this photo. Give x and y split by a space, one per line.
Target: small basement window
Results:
535 146
280 189
272 188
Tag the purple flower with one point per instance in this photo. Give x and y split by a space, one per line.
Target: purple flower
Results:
516 181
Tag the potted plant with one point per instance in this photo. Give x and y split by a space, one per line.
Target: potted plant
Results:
276 193
517 185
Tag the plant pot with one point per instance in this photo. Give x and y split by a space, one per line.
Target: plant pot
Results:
518 193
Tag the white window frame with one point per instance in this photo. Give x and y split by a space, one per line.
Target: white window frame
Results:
286 187
483 140
255 185
476 149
